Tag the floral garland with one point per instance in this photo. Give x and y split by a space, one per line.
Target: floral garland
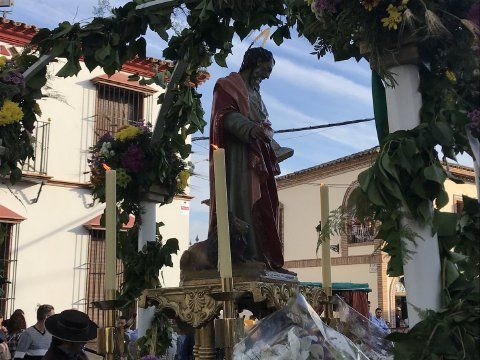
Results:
18 111
138 167
446 35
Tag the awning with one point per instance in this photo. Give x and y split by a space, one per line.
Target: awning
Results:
121 80
9 216
342 286
94 224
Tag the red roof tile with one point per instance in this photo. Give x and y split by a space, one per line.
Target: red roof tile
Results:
121 80
7 215
95 223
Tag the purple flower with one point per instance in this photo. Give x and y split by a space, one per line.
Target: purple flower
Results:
145 127
105 137
475 122
325 5
474 13
14 77
134 159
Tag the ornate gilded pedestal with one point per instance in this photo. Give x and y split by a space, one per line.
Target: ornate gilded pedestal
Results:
192 303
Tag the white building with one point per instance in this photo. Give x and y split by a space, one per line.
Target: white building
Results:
53 246
355 256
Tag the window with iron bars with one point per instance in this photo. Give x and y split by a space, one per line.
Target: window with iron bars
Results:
41 137
118 106
96 275
8 266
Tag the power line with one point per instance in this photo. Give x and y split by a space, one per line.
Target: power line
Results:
314 127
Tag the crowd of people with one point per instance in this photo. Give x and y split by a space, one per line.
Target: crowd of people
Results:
53 336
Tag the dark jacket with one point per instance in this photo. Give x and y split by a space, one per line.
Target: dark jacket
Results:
55 353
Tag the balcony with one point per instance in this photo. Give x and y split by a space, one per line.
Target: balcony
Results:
41 136
358 233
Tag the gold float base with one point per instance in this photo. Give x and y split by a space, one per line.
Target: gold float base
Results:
197 303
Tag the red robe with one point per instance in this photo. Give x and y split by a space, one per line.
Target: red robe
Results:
231 95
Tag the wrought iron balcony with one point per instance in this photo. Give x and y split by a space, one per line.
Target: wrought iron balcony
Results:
41 138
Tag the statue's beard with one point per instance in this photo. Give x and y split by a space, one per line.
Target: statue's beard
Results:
255 79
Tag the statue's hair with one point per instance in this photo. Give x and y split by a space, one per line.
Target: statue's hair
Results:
254 55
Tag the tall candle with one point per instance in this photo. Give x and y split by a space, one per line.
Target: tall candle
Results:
224 253
326 263
110 230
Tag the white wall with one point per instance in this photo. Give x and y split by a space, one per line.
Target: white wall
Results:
53 243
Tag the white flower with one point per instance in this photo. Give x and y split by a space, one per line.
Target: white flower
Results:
105 149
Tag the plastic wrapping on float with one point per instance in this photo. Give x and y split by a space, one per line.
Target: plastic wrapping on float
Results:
295 332
361 331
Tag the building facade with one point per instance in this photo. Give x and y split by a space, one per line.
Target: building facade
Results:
52 243
355 256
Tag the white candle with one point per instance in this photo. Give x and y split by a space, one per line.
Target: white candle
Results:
326 263
110 230
223 232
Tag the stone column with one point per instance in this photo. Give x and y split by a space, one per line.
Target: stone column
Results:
422 271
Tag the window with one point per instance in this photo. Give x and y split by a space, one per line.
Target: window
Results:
116 106
8 266
41 138
457 204
96 274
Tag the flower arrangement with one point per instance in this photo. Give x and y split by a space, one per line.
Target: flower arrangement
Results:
377 29
138 166
18 111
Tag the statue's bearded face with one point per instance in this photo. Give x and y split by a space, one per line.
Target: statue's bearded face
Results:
260 72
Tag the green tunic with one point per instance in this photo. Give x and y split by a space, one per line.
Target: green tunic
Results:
237 130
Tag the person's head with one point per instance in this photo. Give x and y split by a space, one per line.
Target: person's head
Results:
44 312
71 329
388 323
398 310
378 313
258 62
402 323
19 311
16 323
121 321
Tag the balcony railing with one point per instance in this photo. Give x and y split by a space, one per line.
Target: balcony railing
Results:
41 135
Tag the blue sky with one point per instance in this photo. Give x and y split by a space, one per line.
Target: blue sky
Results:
302 91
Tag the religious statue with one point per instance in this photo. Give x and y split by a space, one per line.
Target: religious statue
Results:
239 124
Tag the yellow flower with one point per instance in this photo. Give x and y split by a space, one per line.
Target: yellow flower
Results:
10 113
3 61
450 75
394 18
127 132
183 179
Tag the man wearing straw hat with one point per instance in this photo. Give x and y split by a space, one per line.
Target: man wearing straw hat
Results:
71 329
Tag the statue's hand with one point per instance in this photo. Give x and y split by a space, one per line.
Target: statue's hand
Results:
259 133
